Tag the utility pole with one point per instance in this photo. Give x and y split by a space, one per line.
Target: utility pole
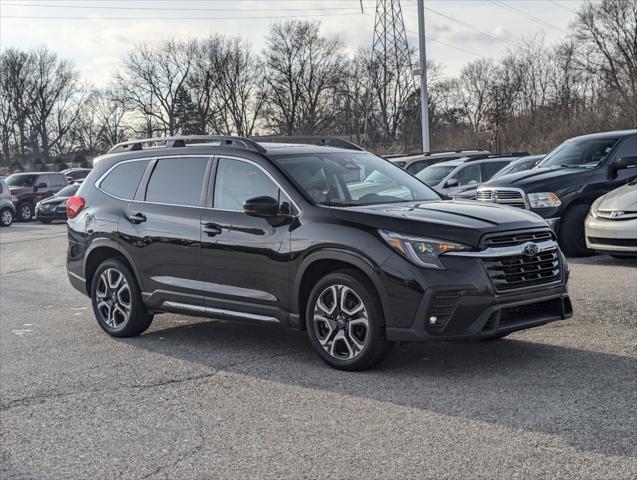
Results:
424 97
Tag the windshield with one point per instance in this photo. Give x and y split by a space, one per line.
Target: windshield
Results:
515 167
435 174
68 191
343 179
21 180
580 153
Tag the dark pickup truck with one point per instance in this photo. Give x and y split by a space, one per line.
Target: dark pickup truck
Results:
563 186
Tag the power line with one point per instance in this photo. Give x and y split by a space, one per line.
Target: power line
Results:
169 9
435 40
562 6
527 15
472 27
243 17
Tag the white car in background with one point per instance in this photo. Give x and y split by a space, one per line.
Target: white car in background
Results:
611 225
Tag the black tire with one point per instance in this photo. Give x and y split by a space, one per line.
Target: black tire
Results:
138 318
6 217
571 232
24 212
374 347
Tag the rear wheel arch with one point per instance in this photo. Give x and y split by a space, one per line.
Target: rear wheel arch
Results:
319 264
98 255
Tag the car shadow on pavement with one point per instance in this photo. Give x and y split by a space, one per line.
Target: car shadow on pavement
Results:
582 396
604 260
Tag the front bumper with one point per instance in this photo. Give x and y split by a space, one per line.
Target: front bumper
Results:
611 235
57 213
461 303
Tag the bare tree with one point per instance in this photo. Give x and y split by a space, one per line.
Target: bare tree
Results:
152 78
303 70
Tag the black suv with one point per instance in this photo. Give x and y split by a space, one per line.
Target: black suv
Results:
567 181
270 232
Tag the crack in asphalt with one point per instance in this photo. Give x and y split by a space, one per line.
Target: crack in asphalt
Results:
38 399
49 267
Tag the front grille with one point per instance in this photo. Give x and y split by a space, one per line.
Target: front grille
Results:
521 271
547 308
443 305
616 242
512 198
518 238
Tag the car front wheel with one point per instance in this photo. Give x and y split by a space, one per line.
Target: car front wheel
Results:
25 212
117 302
345 322
6 217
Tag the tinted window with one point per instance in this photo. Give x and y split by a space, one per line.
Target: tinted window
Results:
469 175
178 181
239 181
628 148
434 174
416 167
122 181
492 168
580 153
68 191
21 180
57 180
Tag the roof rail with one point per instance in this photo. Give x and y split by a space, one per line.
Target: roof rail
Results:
320 140
487 156
468 151
181 140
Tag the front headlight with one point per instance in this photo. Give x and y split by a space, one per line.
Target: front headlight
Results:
595 206
423 252
543 200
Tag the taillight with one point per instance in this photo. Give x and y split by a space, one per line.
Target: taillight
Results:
74 205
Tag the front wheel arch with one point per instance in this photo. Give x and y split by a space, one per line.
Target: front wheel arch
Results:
320 263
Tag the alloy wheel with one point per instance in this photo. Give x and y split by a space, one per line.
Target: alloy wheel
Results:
113 297
7 217
25 212
341 322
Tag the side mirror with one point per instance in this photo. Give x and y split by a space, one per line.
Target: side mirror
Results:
452 182
262 207
621 163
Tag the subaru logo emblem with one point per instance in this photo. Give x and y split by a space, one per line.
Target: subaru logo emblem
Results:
530 249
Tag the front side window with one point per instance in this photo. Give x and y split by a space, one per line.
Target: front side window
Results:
331 179
469 175
435 174
177 181
123 180
491 168
579 153
21 180
238 181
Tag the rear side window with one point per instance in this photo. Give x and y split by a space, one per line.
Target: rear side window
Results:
177 181
123 180
491 168
58 180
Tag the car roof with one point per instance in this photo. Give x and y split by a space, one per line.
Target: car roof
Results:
463 160
605 135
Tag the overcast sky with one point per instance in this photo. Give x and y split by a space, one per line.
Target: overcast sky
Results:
95 34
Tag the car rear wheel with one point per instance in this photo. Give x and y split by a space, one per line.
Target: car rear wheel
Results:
6 217
345 322
25 212
117 302
571 232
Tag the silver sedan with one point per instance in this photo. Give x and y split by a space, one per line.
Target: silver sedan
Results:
611 225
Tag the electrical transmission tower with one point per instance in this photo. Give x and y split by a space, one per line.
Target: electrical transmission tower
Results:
391 69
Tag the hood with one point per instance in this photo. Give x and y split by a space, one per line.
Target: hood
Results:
622 198
455 220
54 200
542 179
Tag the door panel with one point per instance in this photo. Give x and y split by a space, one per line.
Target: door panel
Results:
245 258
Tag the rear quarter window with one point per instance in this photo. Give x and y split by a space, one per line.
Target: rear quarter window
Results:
123 180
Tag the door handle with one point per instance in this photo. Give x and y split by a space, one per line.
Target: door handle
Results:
211 229
136 218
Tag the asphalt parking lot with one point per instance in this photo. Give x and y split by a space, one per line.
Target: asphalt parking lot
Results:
202 399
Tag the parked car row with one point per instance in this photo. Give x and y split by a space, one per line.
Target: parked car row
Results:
39 194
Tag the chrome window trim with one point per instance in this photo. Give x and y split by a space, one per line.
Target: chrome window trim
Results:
213 156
